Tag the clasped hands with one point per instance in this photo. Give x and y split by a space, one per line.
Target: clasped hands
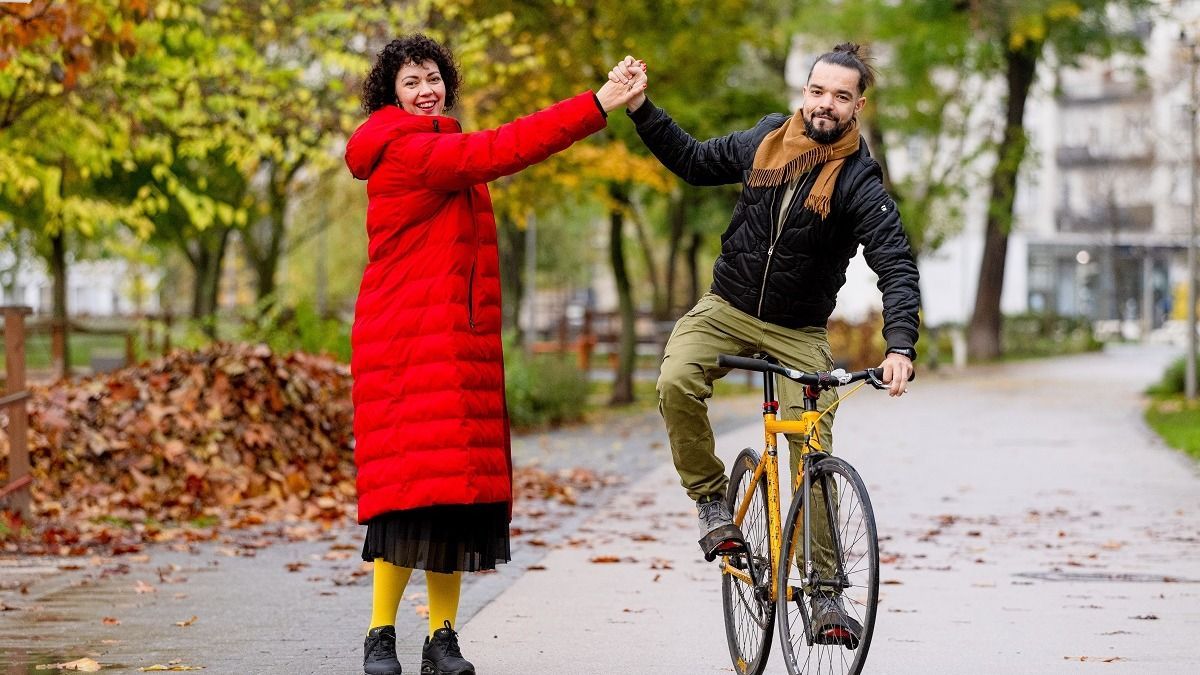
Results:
626 86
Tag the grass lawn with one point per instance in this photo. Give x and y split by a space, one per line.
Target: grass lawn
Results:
646 398
1177 421
83 347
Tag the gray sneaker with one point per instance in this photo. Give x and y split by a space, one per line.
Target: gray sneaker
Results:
831 625
718 534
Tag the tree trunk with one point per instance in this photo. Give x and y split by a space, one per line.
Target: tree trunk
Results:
627 351
58 299
878 147
264 242
658 302
676 221
983 331
693 258
266 268
207 256
511 242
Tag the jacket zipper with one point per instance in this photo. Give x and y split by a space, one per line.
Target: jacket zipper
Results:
776 222
770 251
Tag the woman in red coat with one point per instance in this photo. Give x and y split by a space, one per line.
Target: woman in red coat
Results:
430 424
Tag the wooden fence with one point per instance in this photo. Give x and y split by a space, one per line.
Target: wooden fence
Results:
599 334
16 491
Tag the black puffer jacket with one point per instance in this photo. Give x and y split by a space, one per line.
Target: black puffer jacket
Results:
794 282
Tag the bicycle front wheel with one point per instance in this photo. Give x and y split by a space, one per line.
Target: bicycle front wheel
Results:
749 611
844 560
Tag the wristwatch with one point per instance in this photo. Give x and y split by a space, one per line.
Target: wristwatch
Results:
903 351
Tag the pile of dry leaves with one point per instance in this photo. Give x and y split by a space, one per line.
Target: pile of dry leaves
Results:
202 441
228 435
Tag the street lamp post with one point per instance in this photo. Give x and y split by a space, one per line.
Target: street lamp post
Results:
1193 103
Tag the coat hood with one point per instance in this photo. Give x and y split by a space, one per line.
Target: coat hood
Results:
368 142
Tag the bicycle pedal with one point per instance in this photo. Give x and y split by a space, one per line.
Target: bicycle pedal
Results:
723 541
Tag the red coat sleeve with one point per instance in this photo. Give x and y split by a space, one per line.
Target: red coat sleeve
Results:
453 162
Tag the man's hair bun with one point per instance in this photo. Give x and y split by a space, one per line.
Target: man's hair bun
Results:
849 48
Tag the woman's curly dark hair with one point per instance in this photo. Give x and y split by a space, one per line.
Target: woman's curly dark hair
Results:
379 89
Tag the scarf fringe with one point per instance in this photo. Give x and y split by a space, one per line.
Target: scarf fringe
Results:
799 164
818 203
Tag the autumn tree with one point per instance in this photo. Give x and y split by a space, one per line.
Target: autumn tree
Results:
1023 34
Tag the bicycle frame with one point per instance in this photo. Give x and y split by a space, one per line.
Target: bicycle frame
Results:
768 469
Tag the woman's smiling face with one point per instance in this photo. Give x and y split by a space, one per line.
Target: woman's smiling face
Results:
420 89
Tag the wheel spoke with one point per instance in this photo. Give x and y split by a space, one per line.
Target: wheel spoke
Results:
851 519
749 620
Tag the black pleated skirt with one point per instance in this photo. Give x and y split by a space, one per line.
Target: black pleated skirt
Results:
456 538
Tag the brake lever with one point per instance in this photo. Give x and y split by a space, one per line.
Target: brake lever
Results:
874 381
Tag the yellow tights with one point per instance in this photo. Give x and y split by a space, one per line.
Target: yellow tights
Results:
388 589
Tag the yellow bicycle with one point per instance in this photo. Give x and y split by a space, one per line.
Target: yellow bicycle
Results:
819 568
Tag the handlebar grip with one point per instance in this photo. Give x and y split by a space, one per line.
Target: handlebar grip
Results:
728 361
878 373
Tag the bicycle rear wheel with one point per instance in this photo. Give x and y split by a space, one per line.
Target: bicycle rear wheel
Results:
749 611
851 571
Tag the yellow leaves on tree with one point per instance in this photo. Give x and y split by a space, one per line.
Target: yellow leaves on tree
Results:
1032 28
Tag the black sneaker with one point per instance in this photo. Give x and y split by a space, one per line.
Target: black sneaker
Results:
831 625
718 534
379 652
441 655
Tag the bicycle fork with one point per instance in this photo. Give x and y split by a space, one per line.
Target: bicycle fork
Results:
768 471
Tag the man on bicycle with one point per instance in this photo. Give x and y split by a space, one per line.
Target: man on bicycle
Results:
811 195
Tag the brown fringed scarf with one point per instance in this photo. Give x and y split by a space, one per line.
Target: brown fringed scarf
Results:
788 152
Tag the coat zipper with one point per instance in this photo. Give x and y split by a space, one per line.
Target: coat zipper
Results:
775 222
475 244
471 296
474 257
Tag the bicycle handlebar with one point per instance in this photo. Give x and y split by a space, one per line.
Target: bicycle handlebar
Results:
824 380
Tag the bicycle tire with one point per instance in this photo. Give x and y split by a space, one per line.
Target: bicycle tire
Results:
859 551
749 613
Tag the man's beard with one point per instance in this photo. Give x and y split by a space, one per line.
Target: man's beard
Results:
824 137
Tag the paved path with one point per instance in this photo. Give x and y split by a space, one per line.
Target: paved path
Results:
1029 515
267 604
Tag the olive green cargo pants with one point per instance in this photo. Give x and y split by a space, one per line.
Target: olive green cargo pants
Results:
689 368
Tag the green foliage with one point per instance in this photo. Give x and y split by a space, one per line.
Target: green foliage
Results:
1178 423
1039 335
298 328
1173 379
546 389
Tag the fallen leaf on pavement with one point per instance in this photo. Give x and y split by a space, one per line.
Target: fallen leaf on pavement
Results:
187 622
143 587
158 667
296 566
110 621
603 559
1145 617
82 665
422 611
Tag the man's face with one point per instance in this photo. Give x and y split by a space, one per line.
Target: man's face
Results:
831 100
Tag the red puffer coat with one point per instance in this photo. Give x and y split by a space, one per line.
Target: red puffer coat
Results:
430 422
